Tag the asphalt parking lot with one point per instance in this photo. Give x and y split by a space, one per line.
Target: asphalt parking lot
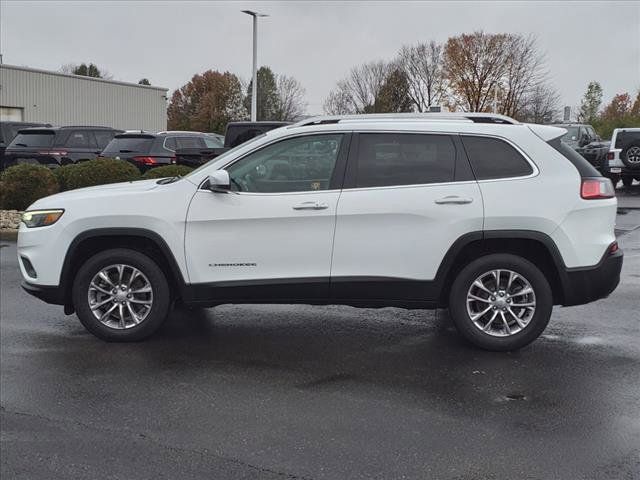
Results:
266 392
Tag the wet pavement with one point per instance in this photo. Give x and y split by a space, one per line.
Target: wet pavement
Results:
266 392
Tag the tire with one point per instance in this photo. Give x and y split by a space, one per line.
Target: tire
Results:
138 318
533 321
627 181
614 177
630 156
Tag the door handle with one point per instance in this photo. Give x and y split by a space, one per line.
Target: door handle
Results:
311 206
453 200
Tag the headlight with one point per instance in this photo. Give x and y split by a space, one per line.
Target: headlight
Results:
41 218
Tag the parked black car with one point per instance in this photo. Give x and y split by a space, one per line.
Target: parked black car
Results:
584 140
9 130
148 150
57 146
240 132
236 134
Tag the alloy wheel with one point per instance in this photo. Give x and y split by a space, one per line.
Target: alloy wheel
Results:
120 296
501 302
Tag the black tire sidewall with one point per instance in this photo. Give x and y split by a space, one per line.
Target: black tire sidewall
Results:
159 285
458 298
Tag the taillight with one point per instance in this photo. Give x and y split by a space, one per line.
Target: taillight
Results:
610 155
595 188
145 160
60 153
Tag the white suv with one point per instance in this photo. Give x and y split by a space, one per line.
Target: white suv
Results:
495 219
623 158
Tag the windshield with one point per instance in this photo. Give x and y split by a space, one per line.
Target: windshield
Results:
129 144
226 154
571 135
33 139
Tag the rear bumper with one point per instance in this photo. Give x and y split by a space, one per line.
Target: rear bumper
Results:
584 285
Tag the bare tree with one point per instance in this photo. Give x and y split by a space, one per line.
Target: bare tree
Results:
524 76
357 93
291 103
540 105
423 67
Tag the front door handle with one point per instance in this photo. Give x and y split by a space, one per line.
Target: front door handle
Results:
453 200
311 206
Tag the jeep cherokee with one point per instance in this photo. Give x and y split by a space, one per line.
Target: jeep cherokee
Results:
497 220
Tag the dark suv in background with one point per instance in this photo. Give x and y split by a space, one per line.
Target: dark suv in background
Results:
584 140
147 150
9 130
57 146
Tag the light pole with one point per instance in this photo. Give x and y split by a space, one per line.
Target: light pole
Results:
254 90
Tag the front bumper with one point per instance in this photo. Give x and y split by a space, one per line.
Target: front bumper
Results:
49 294
584 285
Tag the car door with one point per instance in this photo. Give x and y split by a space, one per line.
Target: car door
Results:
407 198
270 238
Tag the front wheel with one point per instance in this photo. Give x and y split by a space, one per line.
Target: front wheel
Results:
121 295
500 302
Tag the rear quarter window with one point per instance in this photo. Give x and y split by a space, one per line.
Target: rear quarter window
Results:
493 158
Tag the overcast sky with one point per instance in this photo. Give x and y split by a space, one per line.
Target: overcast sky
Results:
316 42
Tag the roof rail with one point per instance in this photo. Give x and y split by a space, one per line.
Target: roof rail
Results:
475 117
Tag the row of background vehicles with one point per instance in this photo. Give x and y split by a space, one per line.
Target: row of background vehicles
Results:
43 144
618 159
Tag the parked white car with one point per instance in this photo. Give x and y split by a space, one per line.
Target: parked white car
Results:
495 219
623 159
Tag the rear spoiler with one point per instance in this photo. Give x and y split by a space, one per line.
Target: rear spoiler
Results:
546 132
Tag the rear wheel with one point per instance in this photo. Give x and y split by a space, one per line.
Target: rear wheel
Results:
121 295
500 302
627 181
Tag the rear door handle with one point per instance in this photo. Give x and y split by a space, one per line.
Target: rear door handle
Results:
311 206
453 200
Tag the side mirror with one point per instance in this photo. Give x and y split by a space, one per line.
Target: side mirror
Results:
219 182
584 140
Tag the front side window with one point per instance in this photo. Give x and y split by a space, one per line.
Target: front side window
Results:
386 159
78 139
298 164
494 158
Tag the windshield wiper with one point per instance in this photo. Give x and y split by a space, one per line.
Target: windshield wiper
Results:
21 145
129 151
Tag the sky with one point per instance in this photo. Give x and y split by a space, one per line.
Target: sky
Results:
317 42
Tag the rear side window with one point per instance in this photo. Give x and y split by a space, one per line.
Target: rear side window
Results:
129 144
386 159
33 139
190 142
79 139
494 158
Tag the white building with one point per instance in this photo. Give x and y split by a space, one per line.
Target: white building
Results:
31 95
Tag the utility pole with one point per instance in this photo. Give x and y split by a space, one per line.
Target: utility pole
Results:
254 83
